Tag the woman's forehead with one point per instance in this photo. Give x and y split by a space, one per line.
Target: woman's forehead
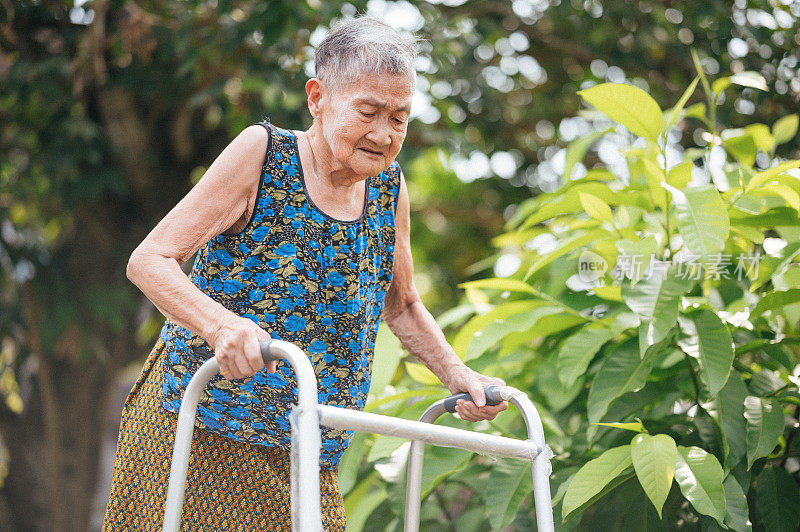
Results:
380 90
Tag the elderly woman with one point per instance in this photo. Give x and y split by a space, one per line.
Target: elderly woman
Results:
301 236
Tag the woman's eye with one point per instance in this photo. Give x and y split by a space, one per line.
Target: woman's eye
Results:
398 120
368 115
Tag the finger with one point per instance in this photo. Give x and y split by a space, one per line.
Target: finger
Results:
271 366
253 354
239 365
464 414
478 396
225 372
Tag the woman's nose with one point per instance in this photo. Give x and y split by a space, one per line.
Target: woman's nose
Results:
380 134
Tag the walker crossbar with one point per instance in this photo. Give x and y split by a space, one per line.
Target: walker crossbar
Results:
307 416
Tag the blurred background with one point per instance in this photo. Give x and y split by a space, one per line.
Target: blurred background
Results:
111 110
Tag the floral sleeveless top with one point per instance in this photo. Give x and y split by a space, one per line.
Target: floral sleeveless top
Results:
304 277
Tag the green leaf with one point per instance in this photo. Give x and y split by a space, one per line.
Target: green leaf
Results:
778 499
441 462
577 149
676 111
362 501
720 84
769 173
594 476
388 353
785 128
743 147
751 79
737 514
728 409
656 298
592 237
579 349
699 476
509 482
702 219
775 300
711 344
680 175
764 426
630 106
623 370
421 374
595 207
761 136
654 460
512 285
496 331
635 427
467 332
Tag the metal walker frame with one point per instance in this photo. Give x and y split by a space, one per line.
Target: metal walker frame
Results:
307 416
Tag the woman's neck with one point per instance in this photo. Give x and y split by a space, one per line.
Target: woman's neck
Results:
324 166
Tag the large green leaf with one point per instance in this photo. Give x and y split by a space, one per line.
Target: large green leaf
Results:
594 476
473 326
656 298
623 370
728 409
778 498
699 476
764 426
509 482
630 106
497 330
388 353
441 462
769 173
702 219
654 459
737 514
710 342
579 349
775 300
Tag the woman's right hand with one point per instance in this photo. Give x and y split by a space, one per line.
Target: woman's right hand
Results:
236 344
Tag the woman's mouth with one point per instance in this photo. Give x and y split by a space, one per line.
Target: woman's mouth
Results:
371 152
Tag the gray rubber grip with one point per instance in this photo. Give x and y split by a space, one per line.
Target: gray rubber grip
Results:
491 398
266 352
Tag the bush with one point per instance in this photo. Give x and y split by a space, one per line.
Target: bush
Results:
660 298
653 319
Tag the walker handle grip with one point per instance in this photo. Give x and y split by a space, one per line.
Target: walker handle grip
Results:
492 398
266 351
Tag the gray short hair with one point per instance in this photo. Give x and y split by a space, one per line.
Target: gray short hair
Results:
363 45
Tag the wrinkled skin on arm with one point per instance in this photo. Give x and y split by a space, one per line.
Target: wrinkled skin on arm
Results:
419 333
221 201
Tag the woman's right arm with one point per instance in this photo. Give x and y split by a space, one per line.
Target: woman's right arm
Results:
225 194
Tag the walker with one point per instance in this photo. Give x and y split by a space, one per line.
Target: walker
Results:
307 416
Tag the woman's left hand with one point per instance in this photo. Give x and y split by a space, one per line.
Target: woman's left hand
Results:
463 379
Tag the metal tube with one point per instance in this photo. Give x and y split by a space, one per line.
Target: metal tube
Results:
540 465
414 476
305 431
345 419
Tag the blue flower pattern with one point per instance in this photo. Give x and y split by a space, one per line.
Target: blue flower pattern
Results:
304 277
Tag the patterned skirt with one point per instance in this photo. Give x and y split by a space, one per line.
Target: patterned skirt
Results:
231 486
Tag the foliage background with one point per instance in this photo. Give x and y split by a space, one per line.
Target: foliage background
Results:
110 110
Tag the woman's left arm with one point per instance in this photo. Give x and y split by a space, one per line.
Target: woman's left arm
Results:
419 333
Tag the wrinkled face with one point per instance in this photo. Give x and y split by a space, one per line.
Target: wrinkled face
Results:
365 123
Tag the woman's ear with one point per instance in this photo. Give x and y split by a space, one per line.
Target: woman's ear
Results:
314 91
